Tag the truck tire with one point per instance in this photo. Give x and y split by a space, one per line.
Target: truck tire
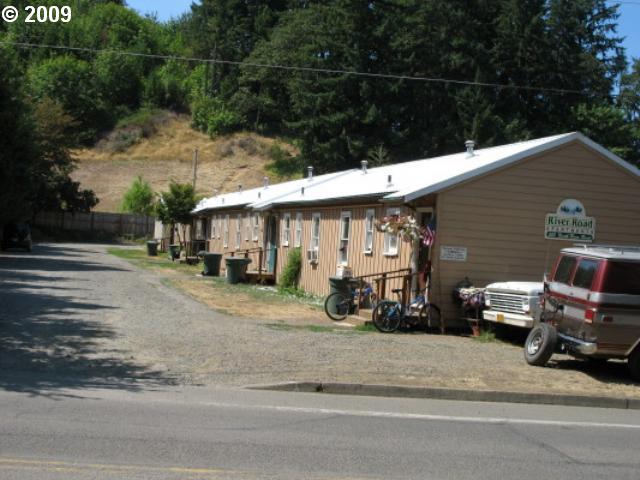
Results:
634 364
540 344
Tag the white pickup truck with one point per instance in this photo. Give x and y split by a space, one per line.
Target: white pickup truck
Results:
513 303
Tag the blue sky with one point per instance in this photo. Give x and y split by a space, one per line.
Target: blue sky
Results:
628 21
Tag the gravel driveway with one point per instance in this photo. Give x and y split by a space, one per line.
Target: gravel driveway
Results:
73 315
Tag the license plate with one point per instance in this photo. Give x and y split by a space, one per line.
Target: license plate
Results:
500 318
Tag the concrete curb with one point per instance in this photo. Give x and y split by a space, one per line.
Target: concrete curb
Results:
453 394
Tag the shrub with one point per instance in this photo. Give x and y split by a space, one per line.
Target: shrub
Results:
139 199
291 272
283 164
212 116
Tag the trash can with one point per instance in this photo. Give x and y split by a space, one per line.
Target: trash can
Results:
152 248
211 264
236 269
338 285
174 251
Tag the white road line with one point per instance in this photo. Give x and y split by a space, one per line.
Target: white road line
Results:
421 416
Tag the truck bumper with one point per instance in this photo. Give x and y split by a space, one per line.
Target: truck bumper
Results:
524 321
572 343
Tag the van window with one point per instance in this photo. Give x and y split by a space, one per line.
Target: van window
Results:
622 277
585 273
565 267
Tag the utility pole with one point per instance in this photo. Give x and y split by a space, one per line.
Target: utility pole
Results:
195 167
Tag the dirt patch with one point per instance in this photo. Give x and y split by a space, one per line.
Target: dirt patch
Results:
166 154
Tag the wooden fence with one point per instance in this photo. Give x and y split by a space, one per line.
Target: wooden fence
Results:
122 224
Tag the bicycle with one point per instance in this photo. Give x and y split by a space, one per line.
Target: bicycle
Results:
390 315
345 305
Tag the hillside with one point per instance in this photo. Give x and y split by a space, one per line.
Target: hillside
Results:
161 150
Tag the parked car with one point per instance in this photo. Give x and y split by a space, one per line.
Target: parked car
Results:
513 303
591 307
16 235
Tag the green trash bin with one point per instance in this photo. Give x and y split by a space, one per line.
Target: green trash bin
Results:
211 264
152 248
342 285
174 251
236 269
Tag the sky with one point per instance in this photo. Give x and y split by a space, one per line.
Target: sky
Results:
628 21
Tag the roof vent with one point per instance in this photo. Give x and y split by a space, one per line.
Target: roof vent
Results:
215 192
310 173
259 194
389 180
302 191
239 187
470 144
223 200
363 164
265 182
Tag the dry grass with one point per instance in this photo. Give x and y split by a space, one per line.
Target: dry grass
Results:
167 155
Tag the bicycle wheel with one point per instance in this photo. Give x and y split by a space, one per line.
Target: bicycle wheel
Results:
337 306
386 316
429 315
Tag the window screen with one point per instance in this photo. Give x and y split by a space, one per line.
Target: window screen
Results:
565 268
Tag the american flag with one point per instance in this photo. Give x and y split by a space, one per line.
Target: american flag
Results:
429 236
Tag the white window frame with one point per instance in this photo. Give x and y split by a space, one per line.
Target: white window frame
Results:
343 242
213 226
256 227
391 241
369 230
238 230
313 254
225 233
286 229
219 226
297 242
247 227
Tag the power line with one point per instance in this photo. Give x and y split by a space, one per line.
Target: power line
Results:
307 69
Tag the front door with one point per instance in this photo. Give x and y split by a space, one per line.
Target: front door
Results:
271 233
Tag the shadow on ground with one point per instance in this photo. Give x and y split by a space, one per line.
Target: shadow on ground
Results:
49 338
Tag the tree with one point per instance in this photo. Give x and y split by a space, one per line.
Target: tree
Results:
139 199
175 207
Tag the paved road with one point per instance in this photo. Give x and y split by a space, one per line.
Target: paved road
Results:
193 433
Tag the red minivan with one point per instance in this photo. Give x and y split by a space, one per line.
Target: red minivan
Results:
591 307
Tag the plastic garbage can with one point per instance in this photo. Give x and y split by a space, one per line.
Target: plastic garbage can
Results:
152 248
211 264
174 251
236 269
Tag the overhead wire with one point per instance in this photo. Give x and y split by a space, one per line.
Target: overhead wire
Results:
309 69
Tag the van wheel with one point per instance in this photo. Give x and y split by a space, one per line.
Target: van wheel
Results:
540 344
634 364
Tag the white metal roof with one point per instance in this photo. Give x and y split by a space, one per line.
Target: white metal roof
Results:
408 181
244 198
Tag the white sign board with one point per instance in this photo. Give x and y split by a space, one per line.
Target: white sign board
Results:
453 254
570 222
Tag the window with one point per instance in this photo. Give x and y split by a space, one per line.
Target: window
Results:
213 226
298 234
585 273
565 269
247 228
219 226
314 243
369 219
225 233
286 229
391 240
256 227
345 234
622 278
238 230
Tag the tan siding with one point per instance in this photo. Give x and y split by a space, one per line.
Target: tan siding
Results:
500 217
314 278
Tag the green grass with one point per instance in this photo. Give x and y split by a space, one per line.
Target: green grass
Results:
486 336
139 258
366 327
